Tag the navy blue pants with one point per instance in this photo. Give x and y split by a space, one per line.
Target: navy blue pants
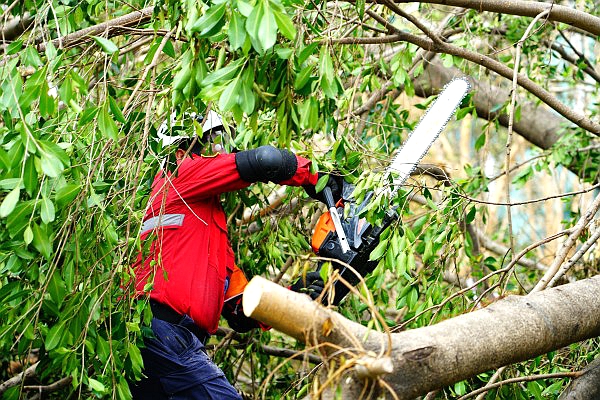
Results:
176 367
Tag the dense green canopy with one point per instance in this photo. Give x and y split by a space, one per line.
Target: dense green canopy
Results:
84 85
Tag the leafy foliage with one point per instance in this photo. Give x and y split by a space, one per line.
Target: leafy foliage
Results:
79 149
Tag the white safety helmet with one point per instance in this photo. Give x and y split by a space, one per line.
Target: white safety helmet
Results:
172 131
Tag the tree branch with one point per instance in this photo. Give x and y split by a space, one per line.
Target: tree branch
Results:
501 69
109 28
567 15
18 379
510 330
521 379
53 387
15 27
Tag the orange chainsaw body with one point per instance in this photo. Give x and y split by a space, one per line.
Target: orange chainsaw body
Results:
322 229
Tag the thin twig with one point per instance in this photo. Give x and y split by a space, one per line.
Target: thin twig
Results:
521 379
576 257
568 244
521 203
53 387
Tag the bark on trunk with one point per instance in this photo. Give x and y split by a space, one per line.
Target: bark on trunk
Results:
585 387
514 329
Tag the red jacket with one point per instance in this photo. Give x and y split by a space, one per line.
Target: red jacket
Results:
186 257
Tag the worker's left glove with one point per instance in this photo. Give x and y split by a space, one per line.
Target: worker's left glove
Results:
310 284
334 182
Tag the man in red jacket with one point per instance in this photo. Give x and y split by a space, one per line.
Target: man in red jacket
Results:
187 268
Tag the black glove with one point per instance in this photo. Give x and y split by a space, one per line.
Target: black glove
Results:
310 284
335 183
234 314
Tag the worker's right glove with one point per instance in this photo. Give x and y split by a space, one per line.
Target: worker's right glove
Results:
335 183
311 284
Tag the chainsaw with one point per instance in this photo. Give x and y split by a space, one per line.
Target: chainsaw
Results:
348 241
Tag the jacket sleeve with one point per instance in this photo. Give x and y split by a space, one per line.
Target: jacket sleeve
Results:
303 175
202 177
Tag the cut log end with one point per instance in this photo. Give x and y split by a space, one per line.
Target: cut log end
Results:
252 295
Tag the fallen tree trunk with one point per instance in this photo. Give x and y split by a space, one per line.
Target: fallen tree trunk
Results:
514 329
586 386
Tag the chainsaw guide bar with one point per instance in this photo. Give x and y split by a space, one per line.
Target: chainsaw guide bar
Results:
428 129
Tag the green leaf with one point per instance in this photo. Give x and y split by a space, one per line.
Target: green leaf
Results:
182 77
321 183
102 349
9 202
47 103
379 251
56 288
412 298
106 44
285 25
41 242
211 20
480 141
324 271
244 8
96 385
302 77
460 388
4 160
535 389
28 235
47 210
31 57
30 178
230 95
18 220
237 32
168 49
51 166
460 114
53 158
428 253
66 194
116 111
360 8
471 215
14 47
54 336
448 60
262 27
223 74
325 64
107 126
328 81
247 98
123 391
136 358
